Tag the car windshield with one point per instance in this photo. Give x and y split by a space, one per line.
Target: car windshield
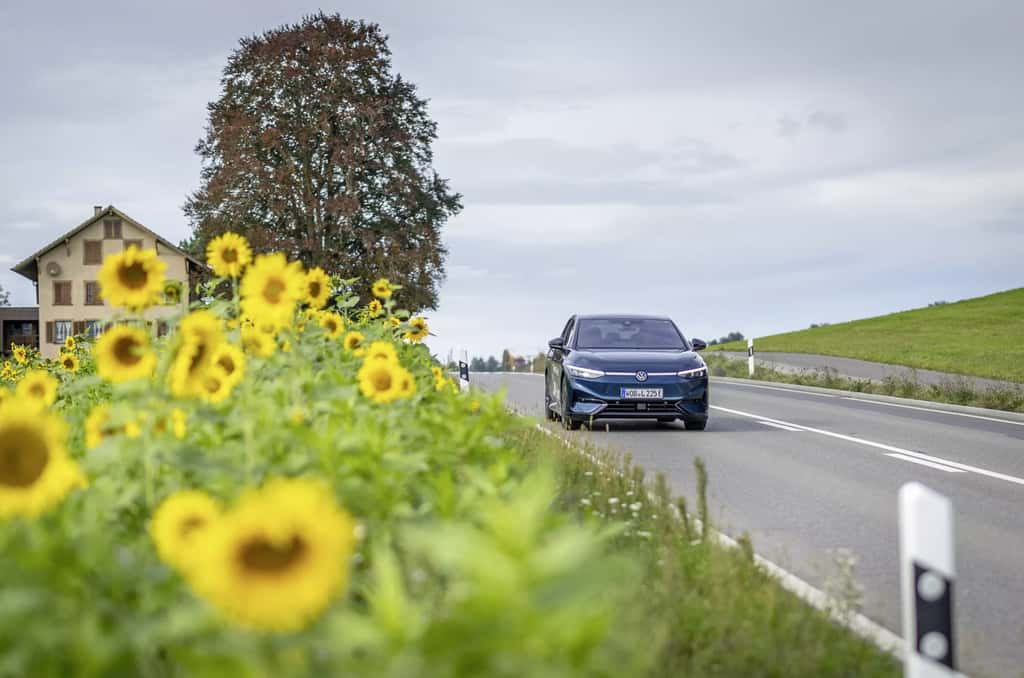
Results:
634 333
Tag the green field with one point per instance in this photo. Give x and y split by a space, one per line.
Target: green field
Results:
980 337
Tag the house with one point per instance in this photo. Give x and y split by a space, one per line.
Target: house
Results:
18 325
65 274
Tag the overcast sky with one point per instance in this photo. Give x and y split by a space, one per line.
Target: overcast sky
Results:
752 166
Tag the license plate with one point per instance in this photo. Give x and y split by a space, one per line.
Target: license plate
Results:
642 393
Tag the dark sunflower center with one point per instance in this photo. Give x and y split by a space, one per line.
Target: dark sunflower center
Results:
381 379
69 363
212 384
132 276
126 351
37 390
262 556
331 325
230 255
228 363
190 523
314 288
273 290
198 356
23 456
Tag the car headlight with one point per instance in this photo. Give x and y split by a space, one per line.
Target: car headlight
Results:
583 372
694 373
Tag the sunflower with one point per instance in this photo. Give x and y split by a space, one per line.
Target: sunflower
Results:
278 559
5 396
69 343
317 287
374 308
382 350
179 423
332 322
417 331
8 372
37 388
382 381
258 342
228 254
20 353
98 427
172 293
132 279
124 353
353 342
394 322
201 335
35 470
179 522
215 385
69 361
270 289
231 361
382 289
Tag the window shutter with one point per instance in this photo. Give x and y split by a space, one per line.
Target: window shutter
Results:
49 332
77 327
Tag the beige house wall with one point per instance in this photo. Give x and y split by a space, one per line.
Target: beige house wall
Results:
70 256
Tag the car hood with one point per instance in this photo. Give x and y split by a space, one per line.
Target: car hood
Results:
630 361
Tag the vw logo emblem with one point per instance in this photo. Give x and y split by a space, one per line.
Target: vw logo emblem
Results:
641 376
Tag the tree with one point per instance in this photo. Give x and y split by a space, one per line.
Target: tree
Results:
315 149
492 364
5 297
506 360
477 364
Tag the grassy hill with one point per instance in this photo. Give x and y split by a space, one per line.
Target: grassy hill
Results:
982 337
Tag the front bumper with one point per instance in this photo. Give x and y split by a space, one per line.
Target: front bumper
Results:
601 398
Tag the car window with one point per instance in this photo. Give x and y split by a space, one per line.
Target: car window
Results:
567 331
635 333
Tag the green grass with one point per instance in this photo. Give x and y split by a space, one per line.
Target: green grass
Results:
980 337
696 608
956 391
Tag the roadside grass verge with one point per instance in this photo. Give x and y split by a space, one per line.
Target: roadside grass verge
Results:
978 337
700 609
956 391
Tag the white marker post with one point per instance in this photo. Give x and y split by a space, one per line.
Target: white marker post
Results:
926 580
750 356
464 371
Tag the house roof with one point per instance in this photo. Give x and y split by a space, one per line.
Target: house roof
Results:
30 269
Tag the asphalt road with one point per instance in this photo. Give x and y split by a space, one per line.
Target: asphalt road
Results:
802 494
861 369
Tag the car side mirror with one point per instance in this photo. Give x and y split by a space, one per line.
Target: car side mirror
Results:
557 343
699 344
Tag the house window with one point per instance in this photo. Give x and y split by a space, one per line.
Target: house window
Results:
133 241
111 229
93 252
62 293
92 293
61 331
94 328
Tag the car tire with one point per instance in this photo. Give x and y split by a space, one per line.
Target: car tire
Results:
549 413
666 420
568 422
696 425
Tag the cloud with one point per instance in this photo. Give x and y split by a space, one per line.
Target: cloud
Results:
830 121
788 127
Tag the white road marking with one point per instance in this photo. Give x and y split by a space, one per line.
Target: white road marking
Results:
784 428
940 467
881 446
839 396
932 409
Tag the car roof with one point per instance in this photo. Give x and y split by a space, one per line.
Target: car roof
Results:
621 316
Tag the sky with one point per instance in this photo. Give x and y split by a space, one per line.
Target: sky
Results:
735 165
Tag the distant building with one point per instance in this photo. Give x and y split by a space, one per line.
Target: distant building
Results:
65 274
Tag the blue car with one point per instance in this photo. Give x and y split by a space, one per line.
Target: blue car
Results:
625 367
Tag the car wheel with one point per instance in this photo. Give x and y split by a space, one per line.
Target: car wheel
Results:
696 425
549 413
568 422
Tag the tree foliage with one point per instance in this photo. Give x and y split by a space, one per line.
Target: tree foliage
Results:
317 150
5 297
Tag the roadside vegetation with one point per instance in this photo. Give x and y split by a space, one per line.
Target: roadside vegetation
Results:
956 391
979 337
287 484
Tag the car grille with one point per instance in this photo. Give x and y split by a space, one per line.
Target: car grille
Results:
631 408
